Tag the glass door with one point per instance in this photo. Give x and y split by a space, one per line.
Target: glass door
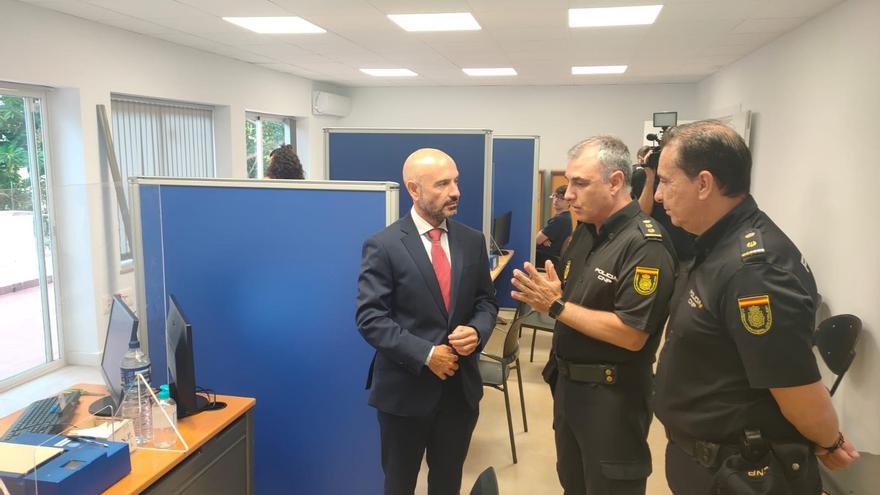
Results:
28 325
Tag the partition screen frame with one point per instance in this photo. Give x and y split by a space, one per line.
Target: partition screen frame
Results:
487 158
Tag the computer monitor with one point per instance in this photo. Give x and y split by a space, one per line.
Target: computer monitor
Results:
121 327
501 230
181 364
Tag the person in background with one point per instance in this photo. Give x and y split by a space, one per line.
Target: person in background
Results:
551 237
284 164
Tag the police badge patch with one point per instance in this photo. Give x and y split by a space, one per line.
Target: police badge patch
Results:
755 314
645 280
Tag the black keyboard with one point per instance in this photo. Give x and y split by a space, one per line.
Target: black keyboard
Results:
49 415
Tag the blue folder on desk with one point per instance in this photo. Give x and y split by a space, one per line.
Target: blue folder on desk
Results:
83 468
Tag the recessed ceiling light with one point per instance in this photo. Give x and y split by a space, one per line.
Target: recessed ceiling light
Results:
613 16
598 69
496 71
462 21
275 25
389 72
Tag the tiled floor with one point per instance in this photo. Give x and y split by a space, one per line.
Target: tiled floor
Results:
535 473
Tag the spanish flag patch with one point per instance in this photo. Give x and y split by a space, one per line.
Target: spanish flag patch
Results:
755 314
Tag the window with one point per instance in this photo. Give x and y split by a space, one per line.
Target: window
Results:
274 132
160 138
28 326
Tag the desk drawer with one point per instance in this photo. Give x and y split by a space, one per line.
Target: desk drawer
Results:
223 465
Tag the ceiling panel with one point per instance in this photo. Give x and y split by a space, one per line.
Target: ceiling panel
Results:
690 40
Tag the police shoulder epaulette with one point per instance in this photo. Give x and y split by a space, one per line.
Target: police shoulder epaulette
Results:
648 229
751 245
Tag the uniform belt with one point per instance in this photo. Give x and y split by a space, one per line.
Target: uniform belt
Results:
706 453
588 373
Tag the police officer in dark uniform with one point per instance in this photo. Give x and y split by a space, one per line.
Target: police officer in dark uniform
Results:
737 386
618 276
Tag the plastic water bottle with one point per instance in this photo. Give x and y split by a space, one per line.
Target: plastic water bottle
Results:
137 403
164 435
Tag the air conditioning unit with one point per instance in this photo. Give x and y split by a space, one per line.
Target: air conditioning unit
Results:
330 104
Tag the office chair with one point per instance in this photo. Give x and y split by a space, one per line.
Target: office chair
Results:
495 370
536 321
836 339
486 484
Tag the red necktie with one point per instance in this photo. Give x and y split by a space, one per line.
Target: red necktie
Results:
441 264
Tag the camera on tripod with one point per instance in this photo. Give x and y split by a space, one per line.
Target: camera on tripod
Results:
663 120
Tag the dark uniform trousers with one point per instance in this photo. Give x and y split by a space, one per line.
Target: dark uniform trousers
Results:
686 476
445 434
601 432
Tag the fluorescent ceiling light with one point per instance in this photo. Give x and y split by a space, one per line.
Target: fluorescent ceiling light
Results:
613 16
275 25
598 69
463 21
496 71
389 72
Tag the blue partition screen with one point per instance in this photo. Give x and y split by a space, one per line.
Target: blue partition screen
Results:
379 156
268 282
513 189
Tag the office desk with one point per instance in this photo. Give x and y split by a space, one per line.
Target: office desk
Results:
503 260
220 458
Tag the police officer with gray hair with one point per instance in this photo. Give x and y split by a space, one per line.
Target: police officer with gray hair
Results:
610 300
737 385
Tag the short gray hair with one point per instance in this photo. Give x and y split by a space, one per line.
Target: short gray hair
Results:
613 155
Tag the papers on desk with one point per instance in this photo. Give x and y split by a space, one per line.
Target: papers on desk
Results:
21 459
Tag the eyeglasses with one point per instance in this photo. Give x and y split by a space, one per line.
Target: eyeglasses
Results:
557 196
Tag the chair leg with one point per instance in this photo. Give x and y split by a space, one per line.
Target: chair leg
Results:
532 353
522 399
509 422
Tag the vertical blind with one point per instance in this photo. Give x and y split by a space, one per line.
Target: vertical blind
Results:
162 139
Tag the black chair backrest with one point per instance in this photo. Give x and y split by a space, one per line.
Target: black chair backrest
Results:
836 339
486 484
511 340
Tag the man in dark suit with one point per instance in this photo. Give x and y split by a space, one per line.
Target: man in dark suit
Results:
427 317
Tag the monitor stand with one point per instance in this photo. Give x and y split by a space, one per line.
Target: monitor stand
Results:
103 407
201 405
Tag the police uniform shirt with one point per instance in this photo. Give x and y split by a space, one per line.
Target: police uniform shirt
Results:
558 229
741 322
628 269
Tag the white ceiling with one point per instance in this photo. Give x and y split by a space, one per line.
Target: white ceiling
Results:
690 39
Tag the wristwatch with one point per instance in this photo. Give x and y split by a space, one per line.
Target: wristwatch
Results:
556 307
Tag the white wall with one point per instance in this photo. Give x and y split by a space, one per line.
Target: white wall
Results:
815 94
85 62
561 115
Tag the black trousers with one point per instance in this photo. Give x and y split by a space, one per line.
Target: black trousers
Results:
686 476
601 438
445 435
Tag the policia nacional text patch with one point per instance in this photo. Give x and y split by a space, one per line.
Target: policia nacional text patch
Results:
755 314
645 280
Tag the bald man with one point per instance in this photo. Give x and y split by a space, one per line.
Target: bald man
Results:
426 303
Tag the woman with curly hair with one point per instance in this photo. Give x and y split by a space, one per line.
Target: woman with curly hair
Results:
284 164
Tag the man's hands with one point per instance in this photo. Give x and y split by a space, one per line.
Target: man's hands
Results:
444 362
536 289
464 340
845 455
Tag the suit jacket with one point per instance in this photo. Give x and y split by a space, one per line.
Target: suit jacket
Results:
400 312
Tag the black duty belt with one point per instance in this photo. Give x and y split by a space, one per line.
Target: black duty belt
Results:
588 373
706 453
